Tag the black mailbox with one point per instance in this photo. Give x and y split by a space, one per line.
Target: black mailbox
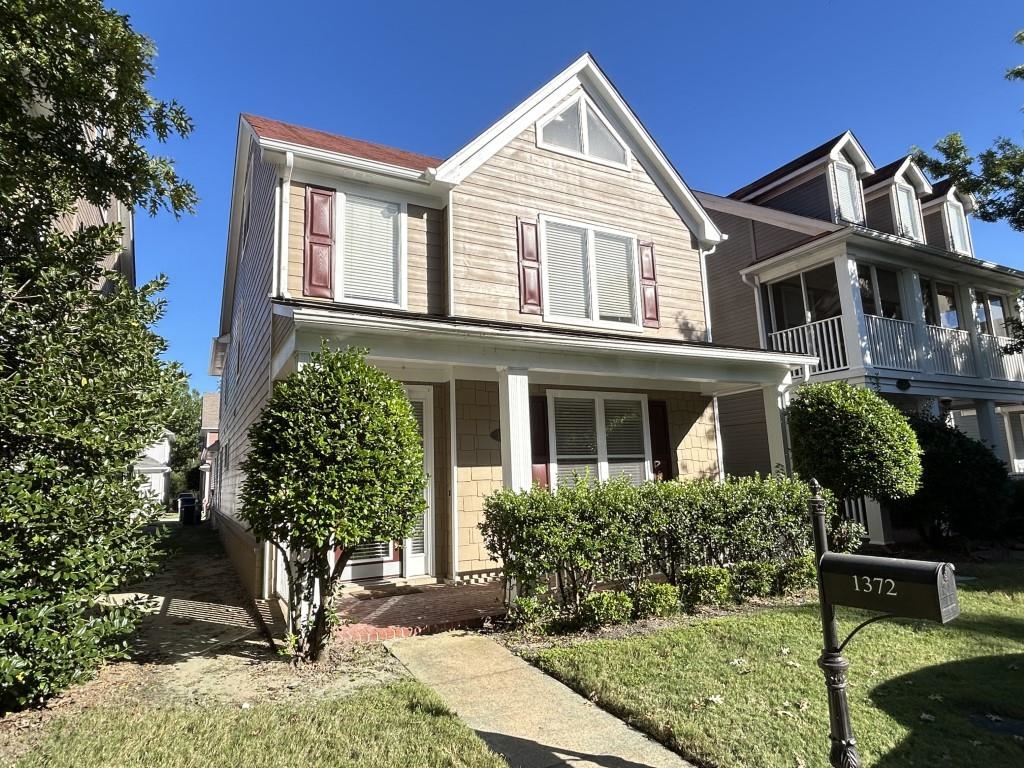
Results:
915 589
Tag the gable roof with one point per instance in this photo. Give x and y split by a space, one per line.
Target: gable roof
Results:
265 128
816 155
903 166
585 73
941 189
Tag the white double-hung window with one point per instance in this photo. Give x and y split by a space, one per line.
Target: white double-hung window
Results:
600 435
372 257
958 236
590 274
906 206
848 196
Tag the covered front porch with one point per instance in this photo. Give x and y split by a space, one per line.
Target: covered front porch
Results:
504 407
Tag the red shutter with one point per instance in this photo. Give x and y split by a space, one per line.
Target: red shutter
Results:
529 269
649 286
318 272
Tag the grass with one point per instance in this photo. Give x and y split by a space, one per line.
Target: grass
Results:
745 690
395 726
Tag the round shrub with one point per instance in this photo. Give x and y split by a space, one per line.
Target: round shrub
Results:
797 573
528 612
705 585
651 599
754 579
853 442
600 609
965 489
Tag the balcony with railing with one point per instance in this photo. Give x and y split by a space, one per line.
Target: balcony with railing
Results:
892 344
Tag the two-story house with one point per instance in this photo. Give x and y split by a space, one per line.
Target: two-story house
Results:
540 293
208 448
873 272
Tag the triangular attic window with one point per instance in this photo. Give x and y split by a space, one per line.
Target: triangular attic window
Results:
579 129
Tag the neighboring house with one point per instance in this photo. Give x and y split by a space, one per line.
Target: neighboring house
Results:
153 466
208 448
540 293
872 271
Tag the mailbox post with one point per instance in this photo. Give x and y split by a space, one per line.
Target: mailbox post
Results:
908 588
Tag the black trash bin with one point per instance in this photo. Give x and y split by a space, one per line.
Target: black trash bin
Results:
188 509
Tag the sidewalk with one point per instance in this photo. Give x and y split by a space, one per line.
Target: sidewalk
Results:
524 715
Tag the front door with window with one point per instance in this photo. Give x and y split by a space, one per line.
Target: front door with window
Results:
410 557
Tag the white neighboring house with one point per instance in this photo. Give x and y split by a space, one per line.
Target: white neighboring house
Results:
154 467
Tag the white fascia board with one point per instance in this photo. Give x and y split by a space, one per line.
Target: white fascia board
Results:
584 73
796 259
218 349
860 158
605 347
347 161
916 177
770 216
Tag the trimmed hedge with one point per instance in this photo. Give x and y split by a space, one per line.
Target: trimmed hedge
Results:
716 542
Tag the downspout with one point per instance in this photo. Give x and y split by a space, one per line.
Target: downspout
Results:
286 195
705 294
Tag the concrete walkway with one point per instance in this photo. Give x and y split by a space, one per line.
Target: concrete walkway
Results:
530 718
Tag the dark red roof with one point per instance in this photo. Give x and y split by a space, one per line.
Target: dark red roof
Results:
309 137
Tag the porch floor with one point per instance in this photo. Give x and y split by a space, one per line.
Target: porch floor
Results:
386 613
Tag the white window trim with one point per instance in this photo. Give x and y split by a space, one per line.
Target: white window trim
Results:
954 205
915 212
584 101
602 438
858 193
592 320
340 196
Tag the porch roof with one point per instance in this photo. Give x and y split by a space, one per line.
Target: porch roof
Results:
707 367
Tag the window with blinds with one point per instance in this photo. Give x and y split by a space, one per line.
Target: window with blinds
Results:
600 436
371 264
590 274
847 193
906 204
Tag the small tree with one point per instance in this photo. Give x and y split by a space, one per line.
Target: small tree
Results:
335 460
853 442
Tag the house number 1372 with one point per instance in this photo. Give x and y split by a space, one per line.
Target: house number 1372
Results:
876 586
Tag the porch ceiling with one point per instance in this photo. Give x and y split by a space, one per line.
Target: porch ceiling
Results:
434 345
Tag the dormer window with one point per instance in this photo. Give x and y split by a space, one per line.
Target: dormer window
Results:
848 202
578 129
909 215
958 236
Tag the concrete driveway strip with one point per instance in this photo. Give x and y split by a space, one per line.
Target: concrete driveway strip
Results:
531 719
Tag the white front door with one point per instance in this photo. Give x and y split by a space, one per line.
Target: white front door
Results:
411 557
416 549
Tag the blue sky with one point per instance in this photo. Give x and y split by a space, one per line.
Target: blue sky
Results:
730 90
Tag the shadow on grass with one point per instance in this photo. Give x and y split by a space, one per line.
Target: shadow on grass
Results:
523 752
962 713
196 602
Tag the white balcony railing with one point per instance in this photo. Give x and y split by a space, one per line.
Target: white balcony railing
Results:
891 343
951 351
1000 366
823 338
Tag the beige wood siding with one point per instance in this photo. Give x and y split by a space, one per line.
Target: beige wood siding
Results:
744 434
522 180
479 460
733 317
427 276
245 381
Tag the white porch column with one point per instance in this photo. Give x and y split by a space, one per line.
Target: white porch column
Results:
775 400
514 406
969 320
991 430
854 331
915 310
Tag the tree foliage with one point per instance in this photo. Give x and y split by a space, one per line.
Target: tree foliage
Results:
965 489
853 442
995 176
334 460
82 387
184 421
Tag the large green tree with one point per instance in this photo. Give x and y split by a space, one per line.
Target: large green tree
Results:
185 424
82 387
335 460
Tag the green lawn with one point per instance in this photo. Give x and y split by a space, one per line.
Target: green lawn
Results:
396 726
745 690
